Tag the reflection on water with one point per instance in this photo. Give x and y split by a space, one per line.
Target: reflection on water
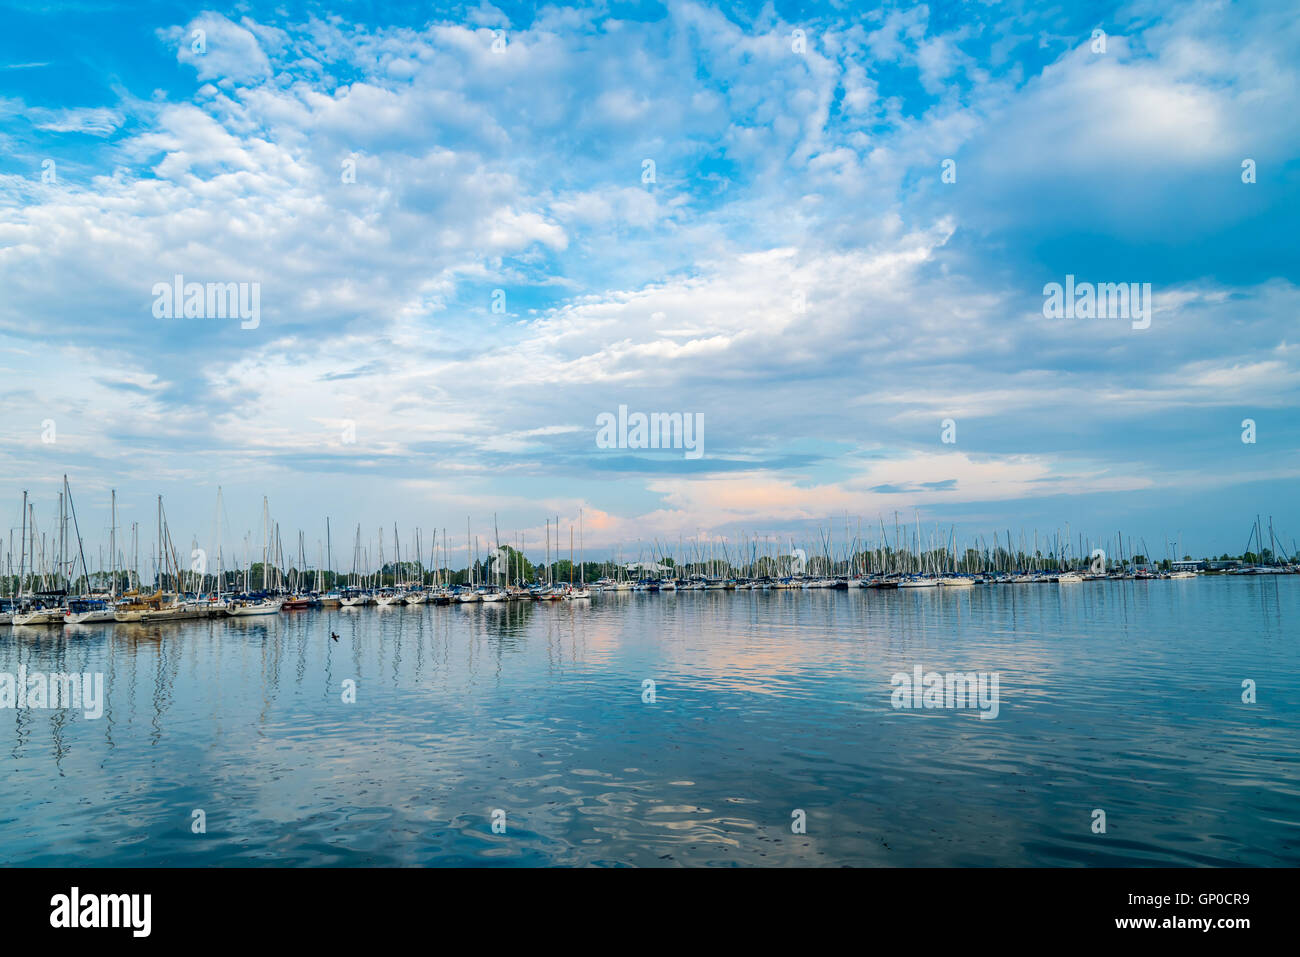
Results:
1119 696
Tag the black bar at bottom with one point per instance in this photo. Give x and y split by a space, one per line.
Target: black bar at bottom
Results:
339 906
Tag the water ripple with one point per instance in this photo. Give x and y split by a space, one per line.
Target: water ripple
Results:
1119 697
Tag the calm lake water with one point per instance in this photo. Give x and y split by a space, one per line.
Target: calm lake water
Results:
1123 697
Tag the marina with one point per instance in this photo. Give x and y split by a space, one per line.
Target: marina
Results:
663 711
51 583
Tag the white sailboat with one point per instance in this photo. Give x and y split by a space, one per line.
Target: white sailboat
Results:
248 605
251 607
38 614
88 611
36 608
582 592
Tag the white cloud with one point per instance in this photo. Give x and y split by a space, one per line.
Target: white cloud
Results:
781 179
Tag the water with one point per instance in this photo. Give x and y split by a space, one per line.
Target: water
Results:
1124 697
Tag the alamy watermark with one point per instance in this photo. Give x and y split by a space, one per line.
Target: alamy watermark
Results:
179 299
75 909
953 689
37 689
1104 300
657 430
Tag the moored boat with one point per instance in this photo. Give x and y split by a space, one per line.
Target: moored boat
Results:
352 598
249 606
390 596
39 613
134 606
86 611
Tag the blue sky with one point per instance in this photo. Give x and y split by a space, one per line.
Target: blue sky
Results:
781 175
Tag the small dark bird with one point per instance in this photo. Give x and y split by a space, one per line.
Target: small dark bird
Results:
334 636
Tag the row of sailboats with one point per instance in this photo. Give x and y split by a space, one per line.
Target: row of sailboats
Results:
53 584
43 589
43 585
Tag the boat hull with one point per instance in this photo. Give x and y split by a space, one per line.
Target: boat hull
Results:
89 617
39 616
253 610
176 613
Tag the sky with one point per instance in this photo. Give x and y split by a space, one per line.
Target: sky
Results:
822 230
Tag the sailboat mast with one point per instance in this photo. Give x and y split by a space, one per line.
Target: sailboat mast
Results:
77 531
264 534
112 541
22 549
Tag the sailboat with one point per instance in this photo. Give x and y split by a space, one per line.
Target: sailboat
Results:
495 592
41 611
36 608
177 606
952 579
249 605
419 594
135 605
332 598
86 611
299 598
389 596
582 592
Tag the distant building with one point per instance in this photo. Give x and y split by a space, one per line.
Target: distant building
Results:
647 567
1187 566
1218 566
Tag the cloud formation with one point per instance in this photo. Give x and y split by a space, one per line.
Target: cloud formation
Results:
474 234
